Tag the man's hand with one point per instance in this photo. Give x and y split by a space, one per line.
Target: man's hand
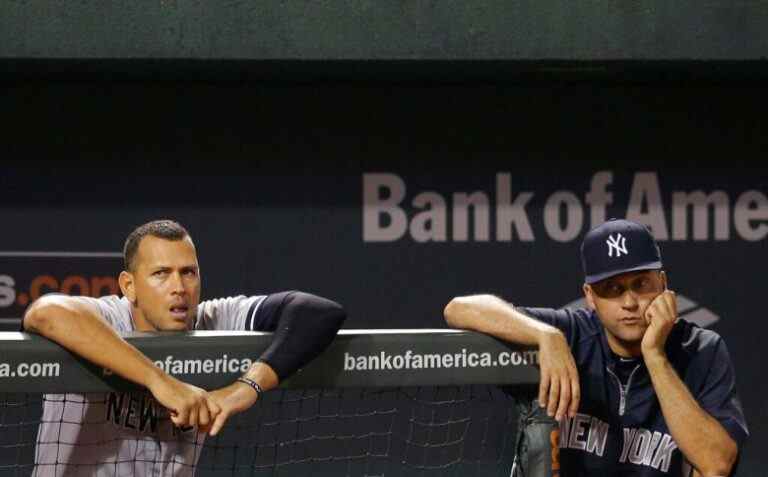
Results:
232 399
661 316
188 405
559 388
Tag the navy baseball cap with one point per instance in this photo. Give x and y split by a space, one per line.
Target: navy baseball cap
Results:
618 246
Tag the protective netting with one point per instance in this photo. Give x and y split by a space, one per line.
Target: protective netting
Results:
365 432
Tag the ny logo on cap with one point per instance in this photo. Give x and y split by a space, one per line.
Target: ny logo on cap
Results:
617 244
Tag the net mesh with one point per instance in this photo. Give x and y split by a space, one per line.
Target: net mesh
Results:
365 432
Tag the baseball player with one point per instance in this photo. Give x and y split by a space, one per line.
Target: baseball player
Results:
160 432
636 390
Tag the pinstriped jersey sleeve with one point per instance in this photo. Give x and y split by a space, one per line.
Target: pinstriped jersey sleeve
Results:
114 309
232 313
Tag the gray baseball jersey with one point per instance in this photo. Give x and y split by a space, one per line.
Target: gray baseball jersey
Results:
127 434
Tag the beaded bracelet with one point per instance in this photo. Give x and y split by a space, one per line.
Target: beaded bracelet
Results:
250 382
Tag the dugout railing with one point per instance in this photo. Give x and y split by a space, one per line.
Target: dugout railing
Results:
375 403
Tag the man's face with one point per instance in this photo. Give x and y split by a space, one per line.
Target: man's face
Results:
620 303
165 284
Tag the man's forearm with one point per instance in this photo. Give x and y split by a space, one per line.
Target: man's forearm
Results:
78 328
493 316
703 441
263 374
559 389
304 326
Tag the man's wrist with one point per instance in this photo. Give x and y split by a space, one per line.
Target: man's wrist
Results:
155 376
654 357
548 333
252 384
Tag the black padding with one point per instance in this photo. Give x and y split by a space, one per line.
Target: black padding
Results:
304 325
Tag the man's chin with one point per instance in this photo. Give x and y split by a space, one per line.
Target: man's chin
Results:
631 337
174 324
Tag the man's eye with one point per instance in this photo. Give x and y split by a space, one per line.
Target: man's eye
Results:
643 284
160 273
190 273
609 289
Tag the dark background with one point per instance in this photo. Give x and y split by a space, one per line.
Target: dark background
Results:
267 176
253 123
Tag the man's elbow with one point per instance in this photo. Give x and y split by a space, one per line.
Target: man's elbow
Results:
330 314
452 311
334 314
722 466
720 469
37 318
459 311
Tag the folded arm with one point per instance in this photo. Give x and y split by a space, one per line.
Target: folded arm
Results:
701 438
78 326
559 389
303 325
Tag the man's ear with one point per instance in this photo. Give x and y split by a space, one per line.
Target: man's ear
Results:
126 285
663 279
588 296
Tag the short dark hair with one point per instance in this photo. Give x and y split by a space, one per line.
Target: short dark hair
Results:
164 229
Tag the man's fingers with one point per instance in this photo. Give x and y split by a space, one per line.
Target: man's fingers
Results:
180 416
204 417
671 302
218 423
554 394
575 396
193 415
565 398
663 307
650 312
213 408
543 389
178 421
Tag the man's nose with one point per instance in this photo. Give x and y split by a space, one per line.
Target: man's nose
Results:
177 284
630 300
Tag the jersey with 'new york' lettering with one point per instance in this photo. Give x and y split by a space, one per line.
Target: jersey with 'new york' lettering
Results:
127 434
619 429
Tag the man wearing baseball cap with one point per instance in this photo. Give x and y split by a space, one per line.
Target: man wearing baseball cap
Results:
637 391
